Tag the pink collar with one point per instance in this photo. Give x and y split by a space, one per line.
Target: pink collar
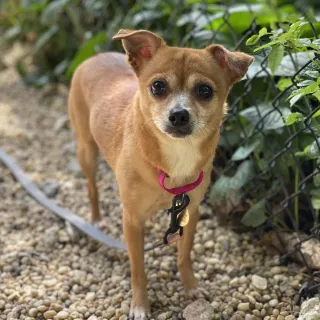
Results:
179 190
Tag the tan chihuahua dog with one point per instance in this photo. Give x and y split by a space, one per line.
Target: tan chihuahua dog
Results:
164 112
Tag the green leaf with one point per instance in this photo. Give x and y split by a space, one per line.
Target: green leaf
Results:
90 48
275 57
295 98
317 94
314 151
146 15
311 151
270 117
50 15
239 17
317 43
284 83
315 199
12 32
293 118
228 187
252 40
256 215
305 83
267 45
61 67
263 32
313 74
316 114
244 151
45 37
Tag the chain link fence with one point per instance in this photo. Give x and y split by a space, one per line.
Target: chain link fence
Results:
280 187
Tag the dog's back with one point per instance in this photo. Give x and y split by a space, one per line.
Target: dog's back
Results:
102 82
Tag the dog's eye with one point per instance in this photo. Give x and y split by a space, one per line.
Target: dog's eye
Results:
158 88
204 92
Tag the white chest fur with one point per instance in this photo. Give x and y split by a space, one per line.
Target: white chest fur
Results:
182 156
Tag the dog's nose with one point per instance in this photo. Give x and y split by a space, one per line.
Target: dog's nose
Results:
179 117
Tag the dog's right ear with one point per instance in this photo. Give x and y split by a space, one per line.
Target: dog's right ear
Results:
140 46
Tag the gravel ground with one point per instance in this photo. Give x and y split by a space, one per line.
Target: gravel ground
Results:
45 275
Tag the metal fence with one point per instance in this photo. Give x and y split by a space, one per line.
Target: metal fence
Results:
287 200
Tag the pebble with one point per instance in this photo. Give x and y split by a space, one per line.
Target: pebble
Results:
244 306
273 302
198 310
33 312
90 296
61 315
50 187
49 314
259 283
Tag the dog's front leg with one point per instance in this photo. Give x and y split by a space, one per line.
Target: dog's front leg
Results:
187 277
133 228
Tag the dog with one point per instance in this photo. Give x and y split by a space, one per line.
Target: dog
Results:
157 108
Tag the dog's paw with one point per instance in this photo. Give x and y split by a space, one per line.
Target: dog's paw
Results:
139 313
198 293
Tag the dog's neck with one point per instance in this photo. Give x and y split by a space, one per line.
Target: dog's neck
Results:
179 158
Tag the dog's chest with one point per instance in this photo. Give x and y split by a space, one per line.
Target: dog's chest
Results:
182 158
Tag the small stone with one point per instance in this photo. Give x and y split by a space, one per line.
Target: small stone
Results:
83 309
33 312
289 317
123 317
259 282
61 123
198 248
64 295
310 309
209 244
234 282
49 314
162 316
63 269
125 308
273 302
244 306
61 315
50 187
198 310
56 307
93 317
42 308
236 317
90 296
13 296
74 167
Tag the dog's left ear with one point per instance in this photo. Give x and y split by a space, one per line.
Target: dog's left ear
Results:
235 64
140 46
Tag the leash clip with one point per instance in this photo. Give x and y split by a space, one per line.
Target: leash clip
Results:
175 231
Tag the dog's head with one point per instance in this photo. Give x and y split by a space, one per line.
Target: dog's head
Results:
182 90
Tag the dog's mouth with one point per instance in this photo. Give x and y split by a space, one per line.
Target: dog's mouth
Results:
179 132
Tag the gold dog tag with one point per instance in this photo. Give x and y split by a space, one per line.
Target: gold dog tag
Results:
183 218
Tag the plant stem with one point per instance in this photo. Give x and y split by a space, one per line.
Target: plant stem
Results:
316 221
296 199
